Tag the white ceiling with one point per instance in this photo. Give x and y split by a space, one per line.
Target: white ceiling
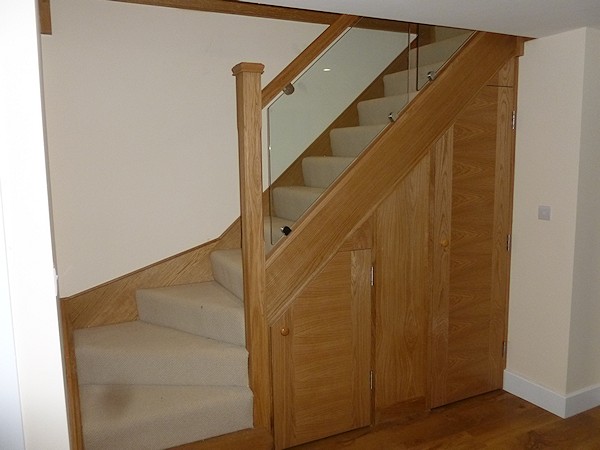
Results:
532 18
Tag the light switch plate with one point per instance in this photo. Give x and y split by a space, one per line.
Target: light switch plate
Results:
544 212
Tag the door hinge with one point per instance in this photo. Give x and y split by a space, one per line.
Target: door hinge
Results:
514 120
371 380
508 242
504 349
372 275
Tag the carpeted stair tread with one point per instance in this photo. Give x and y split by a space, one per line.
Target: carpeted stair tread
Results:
377 111
290 202
321 171
351 141
205 309
141 353
227 270
158 417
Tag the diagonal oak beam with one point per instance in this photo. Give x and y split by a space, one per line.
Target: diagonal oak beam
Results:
243 9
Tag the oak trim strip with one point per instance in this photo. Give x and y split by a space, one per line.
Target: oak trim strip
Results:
439 261
504 181
391 156
249 117
402 291
45 17
71 380
308 55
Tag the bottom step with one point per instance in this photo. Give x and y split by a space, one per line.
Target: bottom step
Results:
158 417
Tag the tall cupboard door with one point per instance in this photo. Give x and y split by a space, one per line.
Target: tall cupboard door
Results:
471 216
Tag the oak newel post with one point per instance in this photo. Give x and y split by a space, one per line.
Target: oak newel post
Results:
249 114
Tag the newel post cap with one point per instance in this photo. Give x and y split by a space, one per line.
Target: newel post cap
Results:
248 67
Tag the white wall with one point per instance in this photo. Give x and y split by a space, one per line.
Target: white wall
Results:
140 106
554 314
546 173
33 409
584 345
11 425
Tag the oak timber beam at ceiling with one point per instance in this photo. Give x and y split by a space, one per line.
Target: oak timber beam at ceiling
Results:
244 9
269 12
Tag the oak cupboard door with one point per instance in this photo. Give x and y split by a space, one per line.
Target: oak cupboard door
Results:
471 212
321 354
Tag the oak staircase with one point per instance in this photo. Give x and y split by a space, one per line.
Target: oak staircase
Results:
179 374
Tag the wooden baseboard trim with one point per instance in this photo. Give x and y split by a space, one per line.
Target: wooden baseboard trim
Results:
70 367
252 438
563 406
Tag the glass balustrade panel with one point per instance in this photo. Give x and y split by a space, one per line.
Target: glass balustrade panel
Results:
435 46
315 129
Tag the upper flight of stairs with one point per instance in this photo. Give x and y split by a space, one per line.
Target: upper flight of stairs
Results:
180 373
290 202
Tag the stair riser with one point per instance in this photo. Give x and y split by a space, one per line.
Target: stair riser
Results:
402 82
170 370
352 141
221 324
204 309
292 203
138 353
227 270
157 417
377 112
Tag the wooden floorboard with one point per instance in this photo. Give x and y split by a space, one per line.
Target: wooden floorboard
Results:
497 420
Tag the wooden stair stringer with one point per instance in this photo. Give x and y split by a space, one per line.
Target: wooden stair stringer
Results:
389 158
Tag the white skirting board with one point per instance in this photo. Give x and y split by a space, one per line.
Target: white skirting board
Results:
561 405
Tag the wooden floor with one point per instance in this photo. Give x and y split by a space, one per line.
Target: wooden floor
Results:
497 420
